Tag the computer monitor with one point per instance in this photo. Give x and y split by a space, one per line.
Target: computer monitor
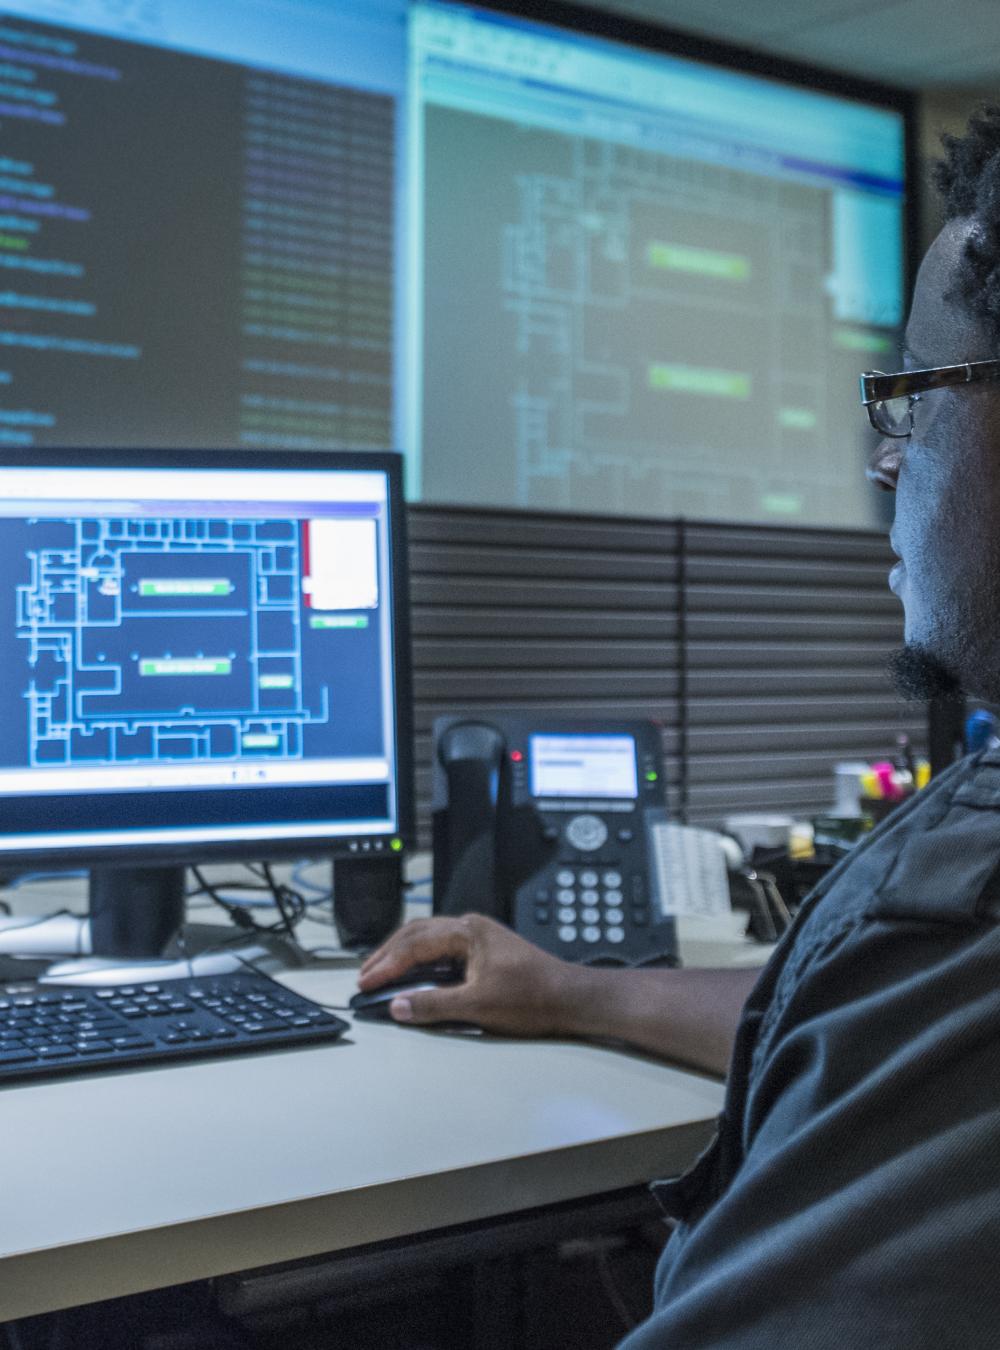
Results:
206 656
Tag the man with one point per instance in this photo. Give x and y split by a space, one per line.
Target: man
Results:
852 1194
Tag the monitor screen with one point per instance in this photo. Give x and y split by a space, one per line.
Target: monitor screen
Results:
646 284
199 659
559 271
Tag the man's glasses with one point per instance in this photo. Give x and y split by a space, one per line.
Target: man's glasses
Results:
890 399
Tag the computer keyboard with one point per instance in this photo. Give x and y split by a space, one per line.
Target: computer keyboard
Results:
46 1030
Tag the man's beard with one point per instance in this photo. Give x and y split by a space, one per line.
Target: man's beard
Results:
918 674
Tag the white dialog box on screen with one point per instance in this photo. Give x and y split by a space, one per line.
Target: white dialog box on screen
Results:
342 565
582 766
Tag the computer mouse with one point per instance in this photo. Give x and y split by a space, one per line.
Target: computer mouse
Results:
373 1004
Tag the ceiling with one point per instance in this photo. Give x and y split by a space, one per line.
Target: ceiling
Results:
917 44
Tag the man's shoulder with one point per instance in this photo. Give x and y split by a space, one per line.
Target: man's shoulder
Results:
930 873
933 860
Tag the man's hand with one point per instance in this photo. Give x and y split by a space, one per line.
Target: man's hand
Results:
510 986
513 987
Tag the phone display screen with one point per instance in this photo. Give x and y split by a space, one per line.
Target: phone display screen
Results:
582 766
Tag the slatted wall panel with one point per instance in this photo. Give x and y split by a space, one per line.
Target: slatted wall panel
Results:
550 613
787 635
762 650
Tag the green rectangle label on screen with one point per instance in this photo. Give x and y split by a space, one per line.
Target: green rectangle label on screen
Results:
185 586
700 380
705 262
185 665
338 621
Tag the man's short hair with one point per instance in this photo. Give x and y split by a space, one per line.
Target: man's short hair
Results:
968 179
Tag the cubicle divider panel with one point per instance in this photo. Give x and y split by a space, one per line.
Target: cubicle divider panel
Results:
543 613
762 650
787 636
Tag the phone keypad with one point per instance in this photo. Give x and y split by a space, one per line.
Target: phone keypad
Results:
591 904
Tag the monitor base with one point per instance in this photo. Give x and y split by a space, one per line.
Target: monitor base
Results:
109 970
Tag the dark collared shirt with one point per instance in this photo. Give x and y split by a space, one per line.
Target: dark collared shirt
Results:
851 1197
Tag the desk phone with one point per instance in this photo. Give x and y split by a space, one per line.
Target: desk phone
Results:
546 823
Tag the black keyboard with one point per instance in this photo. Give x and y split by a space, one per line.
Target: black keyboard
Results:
47 1029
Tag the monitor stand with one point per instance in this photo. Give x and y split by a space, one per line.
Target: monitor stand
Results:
135 911
135 930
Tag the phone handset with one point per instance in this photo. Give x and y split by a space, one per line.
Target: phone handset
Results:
471 754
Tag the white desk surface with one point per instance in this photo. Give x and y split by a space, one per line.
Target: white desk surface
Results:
115 1183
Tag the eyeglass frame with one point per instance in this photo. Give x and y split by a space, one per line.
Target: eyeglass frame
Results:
877 387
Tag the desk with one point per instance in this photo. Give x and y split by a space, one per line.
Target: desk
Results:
117 1183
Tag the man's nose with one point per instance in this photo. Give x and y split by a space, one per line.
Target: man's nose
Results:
883 466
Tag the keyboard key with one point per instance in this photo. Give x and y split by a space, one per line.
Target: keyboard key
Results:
12 1056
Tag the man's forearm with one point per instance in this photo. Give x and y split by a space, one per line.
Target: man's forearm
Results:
687 1015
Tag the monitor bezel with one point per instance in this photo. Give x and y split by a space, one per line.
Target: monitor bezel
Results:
173 853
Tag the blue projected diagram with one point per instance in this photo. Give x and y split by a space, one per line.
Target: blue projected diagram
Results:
159 641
